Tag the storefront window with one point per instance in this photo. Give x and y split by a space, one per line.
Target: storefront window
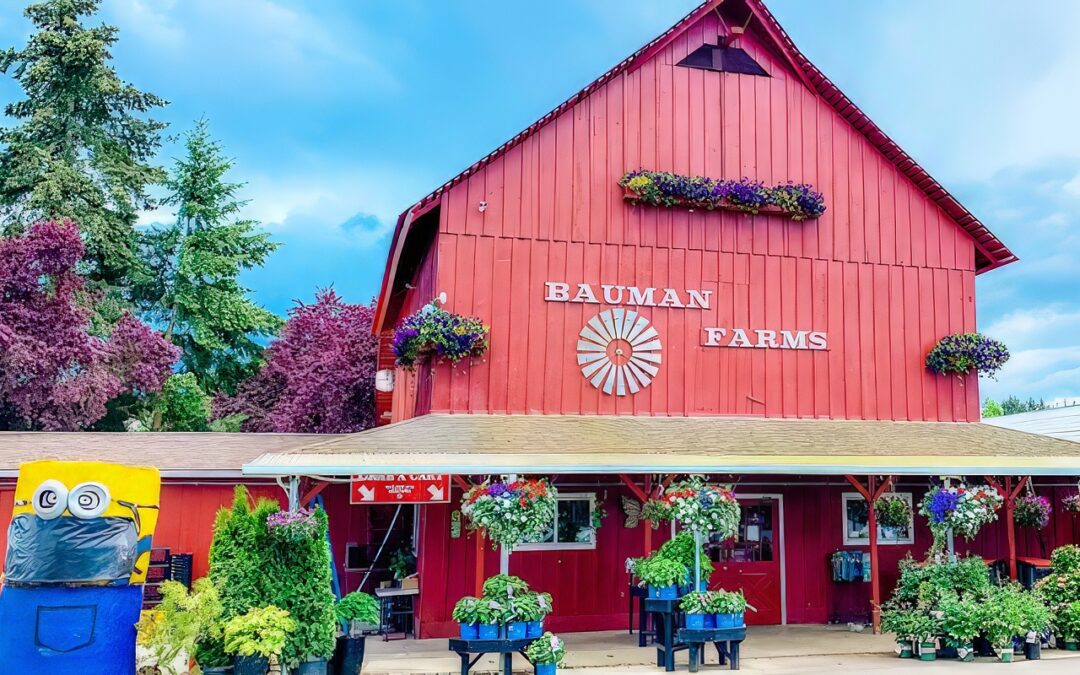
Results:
752 543
572 527
857 523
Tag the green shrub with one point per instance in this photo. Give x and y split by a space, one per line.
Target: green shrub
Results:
1067 621
180 621
909 624
1011 611
680 548
546 649
1066 559
358 606
527 607
960 620
659 571
258 632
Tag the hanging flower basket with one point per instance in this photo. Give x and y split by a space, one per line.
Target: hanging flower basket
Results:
703 507
892 511
962 353
511 513
964 510
293 527
797 201
433 331
1032 511
1071 503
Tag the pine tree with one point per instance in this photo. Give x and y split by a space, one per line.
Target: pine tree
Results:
190 281
82 147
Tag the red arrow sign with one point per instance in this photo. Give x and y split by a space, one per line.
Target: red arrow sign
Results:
400 489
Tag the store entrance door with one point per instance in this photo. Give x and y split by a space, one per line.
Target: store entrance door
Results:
751 560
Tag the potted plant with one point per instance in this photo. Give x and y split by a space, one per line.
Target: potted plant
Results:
510 512
961 624
467 614
1067 623
924 631
730 608
530 608
257 638
1032 511
1003 618
892 511
489 617
682 548
904 624
504 586
546 653
433 331
171 630
358 612
962 510
962 353
698 610
661 576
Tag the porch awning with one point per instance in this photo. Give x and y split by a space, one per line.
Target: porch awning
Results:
486 444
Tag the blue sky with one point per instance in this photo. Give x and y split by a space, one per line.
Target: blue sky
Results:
340 113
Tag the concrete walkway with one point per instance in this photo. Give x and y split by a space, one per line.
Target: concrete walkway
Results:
768 649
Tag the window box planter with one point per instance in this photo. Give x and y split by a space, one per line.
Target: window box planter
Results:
659 188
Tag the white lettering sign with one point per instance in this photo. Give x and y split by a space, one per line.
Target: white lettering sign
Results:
561 291
765 339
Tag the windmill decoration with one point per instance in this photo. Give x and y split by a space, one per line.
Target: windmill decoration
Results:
619 352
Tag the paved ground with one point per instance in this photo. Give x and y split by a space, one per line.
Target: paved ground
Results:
768 649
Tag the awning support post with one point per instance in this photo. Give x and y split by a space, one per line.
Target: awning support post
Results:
504 550
644 497
871 492
478 567
293 493
1010 493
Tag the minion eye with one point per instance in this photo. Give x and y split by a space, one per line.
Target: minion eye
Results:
88 500
50 499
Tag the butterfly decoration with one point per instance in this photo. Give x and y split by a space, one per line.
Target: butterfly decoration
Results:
632 510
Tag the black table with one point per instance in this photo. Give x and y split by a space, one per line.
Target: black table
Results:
395 604
726 641
639 595
667 618
465 648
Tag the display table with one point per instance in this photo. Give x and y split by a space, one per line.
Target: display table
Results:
1030 570
637 596
726 641
466 648
666 619
394 603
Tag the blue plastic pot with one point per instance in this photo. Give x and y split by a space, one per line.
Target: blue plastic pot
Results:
313 667
250 665
545 669
695 621
488 631
517 630
664 592
469 631
534 629
725 620
710 620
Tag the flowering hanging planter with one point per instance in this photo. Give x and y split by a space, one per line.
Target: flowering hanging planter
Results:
1071 503
1032 511
962 510
962 353
892 511
434 332
797 201
510 513
703 507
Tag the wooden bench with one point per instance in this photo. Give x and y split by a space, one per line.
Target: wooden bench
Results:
726 641
466 648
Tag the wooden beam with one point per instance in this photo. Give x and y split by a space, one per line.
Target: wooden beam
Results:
461 482
1009 493
638 492
855 483
885 486
314 491
875 568
478 580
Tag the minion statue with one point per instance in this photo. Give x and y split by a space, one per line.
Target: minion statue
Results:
77 557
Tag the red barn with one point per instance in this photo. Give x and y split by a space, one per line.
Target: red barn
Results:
787 357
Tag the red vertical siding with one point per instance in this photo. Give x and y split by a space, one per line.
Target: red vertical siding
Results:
885 271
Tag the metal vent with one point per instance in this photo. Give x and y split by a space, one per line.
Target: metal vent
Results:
722 59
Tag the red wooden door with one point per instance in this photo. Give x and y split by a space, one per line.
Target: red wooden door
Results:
750 561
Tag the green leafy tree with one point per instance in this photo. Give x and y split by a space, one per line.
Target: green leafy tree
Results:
992 409
82 146
190 283
182 405
1013 405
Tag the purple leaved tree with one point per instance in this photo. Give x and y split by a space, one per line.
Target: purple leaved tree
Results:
319 375
55 374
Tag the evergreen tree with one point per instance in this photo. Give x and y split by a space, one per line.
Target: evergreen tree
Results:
991 408
81 148
190 281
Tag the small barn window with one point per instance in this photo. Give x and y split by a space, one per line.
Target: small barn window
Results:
723 59
572 528
857 523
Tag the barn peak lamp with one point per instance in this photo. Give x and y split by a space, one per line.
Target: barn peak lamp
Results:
723 58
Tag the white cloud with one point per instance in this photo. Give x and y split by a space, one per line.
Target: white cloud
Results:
1044 343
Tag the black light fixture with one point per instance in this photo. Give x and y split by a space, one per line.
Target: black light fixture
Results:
722 58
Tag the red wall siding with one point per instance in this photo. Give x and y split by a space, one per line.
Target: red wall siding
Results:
885 271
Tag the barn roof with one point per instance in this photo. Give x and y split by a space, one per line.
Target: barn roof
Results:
176 455
1061 422
991 252
486 444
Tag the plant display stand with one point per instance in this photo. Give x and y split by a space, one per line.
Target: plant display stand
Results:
507 648
666 617
638 595
726 641
397 609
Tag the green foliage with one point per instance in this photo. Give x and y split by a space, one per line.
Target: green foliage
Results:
527 607
259 632
502 586
81 147
922 585
909 624
1060 591
1011 611
680 548
1013 405
1066 559
358 606
696 602
992 408
659 571
189 280
728 602
181 406
230 424
252 568
892 511
402 562
466 610
546 649
960 620
656 511
182 619
1067 621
